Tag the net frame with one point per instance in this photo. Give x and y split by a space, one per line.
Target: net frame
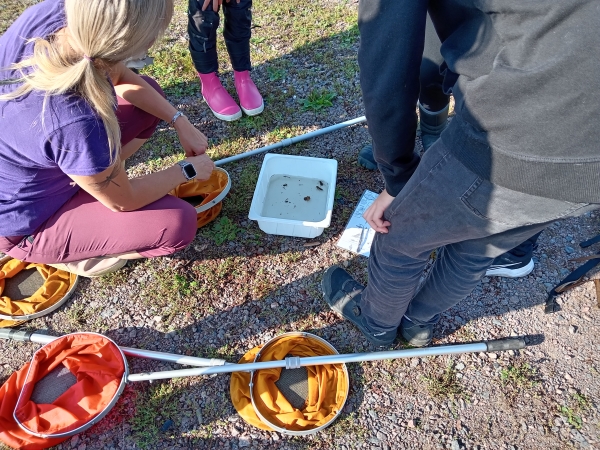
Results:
254 374
18 319
91 422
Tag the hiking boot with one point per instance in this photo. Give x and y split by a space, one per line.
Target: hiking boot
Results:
218 99
510 266
432 124
92 267
414 334
366 158
342 293
250 99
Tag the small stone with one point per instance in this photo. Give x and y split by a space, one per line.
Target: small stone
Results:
167 425
244 441
569 249
346 264
274 305
415 362
455 445
492 356
411 423
572 329
373 413
275 436
459 366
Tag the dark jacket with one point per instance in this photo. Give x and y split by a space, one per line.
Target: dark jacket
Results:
526 81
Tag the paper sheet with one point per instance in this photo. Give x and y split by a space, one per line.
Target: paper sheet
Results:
358 235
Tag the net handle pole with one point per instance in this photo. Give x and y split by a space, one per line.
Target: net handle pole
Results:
39 338
295 362
293 140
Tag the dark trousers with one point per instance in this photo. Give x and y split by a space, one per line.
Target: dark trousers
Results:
471 221
202 31
431 94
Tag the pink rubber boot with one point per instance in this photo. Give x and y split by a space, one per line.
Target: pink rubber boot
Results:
250 99
218 99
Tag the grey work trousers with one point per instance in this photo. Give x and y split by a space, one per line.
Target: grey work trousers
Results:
445 206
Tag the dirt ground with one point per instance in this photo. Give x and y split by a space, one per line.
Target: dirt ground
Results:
236 287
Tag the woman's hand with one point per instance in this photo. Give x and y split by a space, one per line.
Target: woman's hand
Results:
374 213
203 164
192 140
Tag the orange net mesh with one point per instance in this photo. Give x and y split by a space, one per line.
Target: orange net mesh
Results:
206 189
327 388
56 284
97 364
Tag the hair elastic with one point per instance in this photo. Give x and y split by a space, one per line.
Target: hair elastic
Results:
88 58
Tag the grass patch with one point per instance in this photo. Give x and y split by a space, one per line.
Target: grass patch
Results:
572 418
153 408
222 230
521 375
444 384
318 100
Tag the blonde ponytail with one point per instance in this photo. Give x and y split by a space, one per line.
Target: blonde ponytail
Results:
99 34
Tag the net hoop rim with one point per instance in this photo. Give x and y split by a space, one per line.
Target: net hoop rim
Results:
253 374
94 420
43 312
219 198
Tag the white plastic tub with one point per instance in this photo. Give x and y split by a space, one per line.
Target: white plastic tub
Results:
294 195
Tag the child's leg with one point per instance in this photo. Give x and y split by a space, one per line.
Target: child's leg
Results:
202 31
237 32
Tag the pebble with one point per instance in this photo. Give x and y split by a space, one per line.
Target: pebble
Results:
455 445
244 441
572 329
569 249
459 366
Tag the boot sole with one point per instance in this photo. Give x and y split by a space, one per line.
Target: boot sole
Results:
225 117
255 111
511 273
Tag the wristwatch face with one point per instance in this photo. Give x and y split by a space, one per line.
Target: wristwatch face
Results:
189 171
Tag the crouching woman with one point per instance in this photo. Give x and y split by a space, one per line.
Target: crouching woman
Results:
71 113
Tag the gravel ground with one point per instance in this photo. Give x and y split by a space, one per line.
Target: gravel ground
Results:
222 300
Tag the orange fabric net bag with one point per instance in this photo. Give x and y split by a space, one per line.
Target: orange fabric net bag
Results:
98 369
327 388
57 283
205 195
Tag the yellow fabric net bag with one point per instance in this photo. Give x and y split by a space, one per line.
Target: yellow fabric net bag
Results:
205 195
327 387
57 284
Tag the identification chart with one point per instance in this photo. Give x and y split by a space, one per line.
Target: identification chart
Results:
358 235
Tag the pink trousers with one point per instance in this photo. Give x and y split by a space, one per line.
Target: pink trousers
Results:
84 228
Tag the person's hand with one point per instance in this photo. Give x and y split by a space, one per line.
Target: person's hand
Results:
216 4
374 213
191 139
203 164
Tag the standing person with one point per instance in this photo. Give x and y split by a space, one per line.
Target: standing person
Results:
203 21
434 105
70 114
521 152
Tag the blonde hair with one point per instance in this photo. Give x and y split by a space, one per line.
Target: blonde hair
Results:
100 34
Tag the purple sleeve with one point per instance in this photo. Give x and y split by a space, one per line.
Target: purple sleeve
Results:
80 148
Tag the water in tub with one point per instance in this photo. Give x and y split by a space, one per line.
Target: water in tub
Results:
296 198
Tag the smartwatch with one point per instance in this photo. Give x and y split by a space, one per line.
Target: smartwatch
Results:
188 169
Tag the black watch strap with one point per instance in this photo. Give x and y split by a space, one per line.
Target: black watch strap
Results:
188 170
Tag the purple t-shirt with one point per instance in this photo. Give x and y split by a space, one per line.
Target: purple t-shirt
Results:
38 151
